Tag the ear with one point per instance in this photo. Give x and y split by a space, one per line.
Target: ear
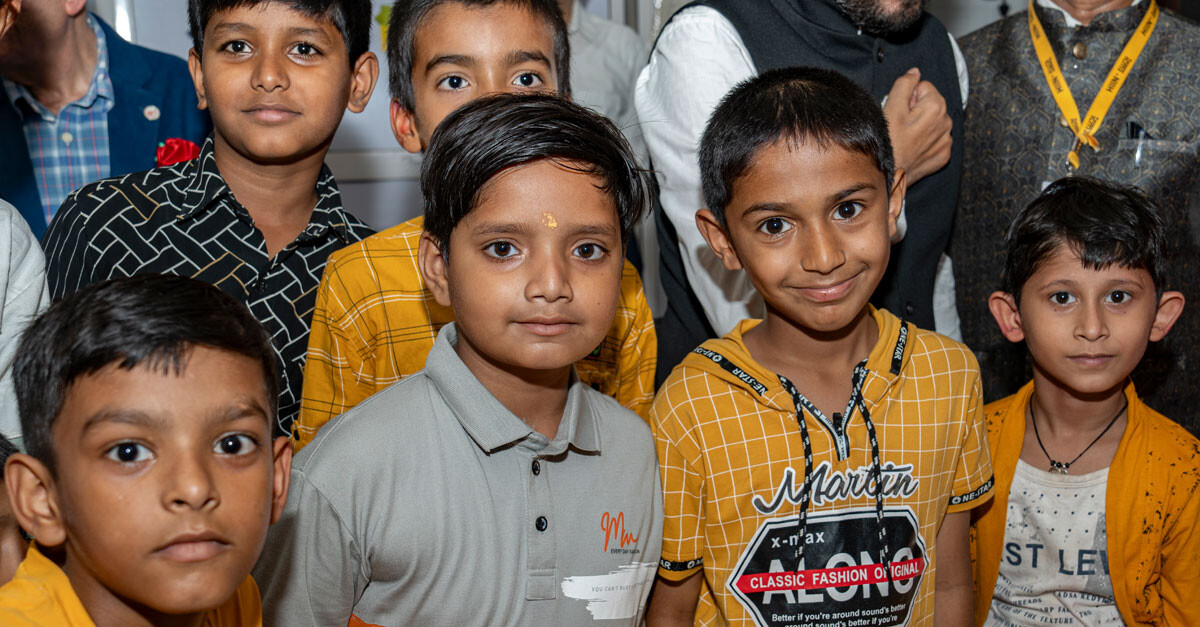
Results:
362 81
718 239
34 501
896 200
433 269
282 453
197 73
8 14
1169 308
1007 315
404 127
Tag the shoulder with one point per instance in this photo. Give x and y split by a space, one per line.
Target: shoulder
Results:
1171 444
934 352
11 222
1183 33
356 229
149 193
979 40
397 247
698 25
619 426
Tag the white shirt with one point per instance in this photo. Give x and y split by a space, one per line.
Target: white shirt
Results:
606 58
22 295
699 57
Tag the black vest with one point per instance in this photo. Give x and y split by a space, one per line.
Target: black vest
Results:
782 33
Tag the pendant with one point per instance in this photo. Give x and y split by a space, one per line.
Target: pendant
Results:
1058 468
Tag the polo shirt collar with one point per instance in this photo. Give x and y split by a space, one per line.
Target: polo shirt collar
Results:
489 423
207 188
1119 20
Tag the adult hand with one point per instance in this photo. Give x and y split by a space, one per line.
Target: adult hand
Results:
919 126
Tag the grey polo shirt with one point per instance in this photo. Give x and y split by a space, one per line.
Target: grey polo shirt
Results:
432 504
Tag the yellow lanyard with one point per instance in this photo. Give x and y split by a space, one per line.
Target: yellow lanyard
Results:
1085 130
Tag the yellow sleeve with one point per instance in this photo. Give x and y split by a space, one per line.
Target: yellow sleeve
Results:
334 366
639 345
682 484
1180 578
973 477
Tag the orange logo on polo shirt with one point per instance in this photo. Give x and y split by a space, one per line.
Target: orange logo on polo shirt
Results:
614 531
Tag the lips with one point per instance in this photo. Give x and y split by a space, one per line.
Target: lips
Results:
272 113
193 547
547 326
1091 360
830 292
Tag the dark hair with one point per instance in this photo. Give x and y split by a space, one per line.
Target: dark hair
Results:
491 134
352 18
1104 223
7 448
796 103
150 318
409 15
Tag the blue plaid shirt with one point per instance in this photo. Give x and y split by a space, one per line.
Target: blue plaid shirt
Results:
68 150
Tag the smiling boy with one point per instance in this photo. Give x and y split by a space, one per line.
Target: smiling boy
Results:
257 213
819 462
507 492
1097 495
375 321
147 405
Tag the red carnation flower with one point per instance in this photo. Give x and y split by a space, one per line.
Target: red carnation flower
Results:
175 150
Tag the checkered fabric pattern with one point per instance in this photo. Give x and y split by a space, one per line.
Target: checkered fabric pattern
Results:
721 445
183 220
70 149
375 322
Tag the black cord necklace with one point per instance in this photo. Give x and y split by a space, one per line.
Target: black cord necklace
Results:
1058 467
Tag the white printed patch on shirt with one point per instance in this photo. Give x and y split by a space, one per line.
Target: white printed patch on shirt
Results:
619 594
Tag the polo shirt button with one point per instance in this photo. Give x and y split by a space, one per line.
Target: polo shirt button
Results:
537 467
879 55
541 523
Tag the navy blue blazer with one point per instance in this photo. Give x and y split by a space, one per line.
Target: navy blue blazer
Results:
140 77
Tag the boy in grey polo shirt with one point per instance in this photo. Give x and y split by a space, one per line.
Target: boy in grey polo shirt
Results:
490 488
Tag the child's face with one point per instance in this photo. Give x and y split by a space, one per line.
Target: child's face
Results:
534 271
461 53
165 483
1086 329
277 81
811 226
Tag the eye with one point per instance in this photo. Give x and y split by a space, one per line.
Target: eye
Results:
591 252
500 250
1118 297
1062 298
129 453
528 80
235 444
305 49
848 210
774 226
453 82
236 46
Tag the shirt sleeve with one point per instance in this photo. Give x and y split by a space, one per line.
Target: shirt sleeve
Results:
23 296
311 571
1180 578
699 57
335 368
70 259
973 477
682 491
638 354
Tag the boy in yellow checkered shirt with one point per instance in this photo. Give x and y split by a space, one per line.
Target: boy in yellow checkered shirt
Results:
818 466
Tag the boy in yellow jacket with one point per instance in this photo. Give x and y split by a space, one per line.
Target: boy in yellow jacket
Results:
1096 507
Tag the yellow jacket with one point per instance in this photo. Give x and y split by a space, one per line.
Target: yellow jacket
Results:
1152 513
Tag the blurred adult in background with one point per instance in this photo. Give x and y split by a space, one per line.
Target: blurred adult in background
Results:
81 104
1019 137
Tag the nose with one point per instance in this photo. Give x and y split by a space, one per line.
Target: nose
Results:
270 73
190 484
822 251
549 278
1090 324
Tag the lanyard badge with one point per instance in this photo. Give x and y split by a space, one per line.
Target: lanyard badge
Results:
1085 128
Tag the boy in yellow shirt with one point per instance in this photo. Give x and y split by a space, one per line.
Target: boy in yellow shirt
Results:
1097 495
147 406
817 465
375 321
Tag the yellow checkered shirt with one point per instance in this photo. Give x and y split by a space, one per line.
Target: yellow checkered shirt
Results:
374 323
726 452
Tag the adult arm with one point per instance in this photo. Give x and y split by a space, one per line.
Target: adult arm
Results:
673 603
952 581
22 297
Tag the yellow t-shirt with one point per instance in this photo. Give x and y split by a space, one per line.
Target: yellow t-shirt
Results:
374 323
732 459
40 595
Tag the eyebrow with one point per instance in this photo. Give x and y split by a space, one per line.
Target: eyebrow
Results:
850 191
523 56
123 416
500 228
241 27
236 410
600 230
450 59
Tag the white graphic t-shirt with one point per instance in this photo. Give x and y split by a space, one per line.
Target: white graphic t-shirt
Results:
1054 568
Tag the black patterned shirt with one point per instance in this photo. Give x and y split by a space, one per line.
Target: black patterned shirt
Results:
183 219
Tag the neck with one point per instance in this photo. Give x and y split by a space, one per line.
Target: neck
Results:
1064 412
538 397
59 74
1086 10
786 345
280 197
108 609
567 7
